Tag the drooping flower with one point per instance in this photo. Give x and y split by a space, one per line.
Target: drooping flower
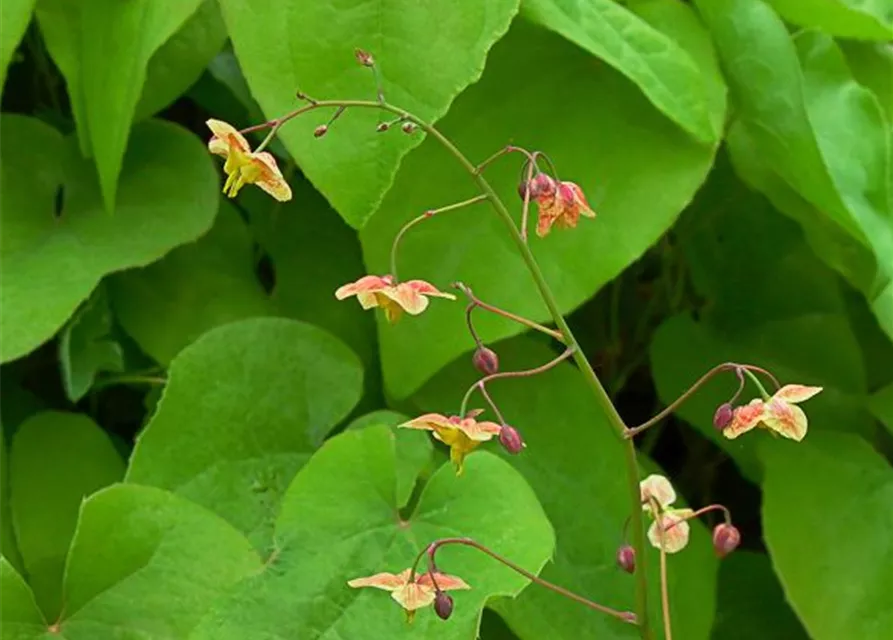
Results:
461 435
657 489
411 594
381 291
561 207
243 166
779 413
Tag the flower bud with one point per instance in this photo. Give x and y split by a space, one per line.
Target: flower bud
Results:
485 360
723 416
364 58
626 558
540 185
511 439
629 616
382 126
408 127
443 605
726 539
320 131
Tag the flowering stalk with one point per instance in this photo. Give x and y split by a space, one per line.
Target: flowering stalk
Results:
477 302
664 590
431 551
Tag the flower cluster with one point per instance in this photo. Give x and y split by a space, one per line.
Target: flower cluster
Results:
559 204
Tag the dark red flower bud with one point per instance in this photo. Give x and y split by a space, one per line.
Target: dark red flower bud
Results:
726 539
443 605
626 558
723 416
485 360
408 127
364 58
382 126
511 439
320 131
540 185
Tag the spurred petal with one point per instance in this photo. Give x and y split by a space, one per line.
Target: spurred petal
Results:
796 392
271 179
428 422
479 431
413 596
659 488
228 135
366 284
386 581
675 535
427 289
580 199
444 581
408 298
786 419
745 418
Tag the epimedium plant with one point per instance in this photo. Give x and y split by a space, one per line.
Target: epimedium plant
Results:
560 205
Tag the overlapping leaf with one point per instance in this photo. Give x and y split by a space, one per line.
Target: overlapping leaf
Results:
51 259
428 53
15 16
861 19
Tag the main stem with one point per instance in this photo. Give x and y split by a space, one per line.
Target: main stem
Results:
595 385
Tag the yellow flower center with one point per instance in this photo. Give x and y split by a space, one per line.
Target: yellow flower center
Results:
240 169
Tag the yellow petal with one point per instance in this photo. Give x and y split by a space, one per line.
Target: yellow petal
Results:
796 392
228 134
786 419
413 596
744 419
271 179
657 487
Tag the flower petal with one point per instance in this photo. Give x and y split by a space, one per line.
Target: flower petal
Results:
413 596
580 200
786 419
444 582
271 179
427 422
796 392
675 535
427 289
479 431
744 418
366 284
659 488
386 581
227 134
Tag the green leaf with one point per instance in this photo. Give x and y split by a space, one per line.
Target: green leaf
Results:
9 548
575 464
872 66
662 69
51 263
637 168
792 111
881 404
427 53
56 460
19 617
86 348
751 603
243 409
145 563
414 454
179 62
861 19
105 76
14 16
339 521
826 521
195 288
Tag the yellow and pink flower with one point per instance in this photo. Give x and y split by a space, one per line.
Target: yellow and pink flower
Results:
561 207
393 298
780 413
243 166
657 495
461 435
411 594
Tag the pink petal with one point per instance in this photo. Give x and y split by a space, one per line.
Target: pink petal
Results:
428 422
479 431
227 134
444 582
786 419
271 179
366 284
413 596
744 419
408 298
580 200
427 289
796 392
675 535
386 581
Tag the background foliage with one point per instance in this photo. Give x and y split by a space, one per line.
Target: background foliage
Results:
197 438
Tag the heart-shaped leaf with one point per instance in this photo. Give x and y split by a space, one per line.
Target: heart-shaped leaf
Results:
20 617
871 20
637 169
243 409
52 260
427 54
574 462
827 523
56 460
340 521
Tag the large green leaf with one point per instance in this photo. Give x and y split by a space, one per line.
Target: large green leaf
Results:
9 548
637 168
872 65
791 116
56 460
661 68
179 62
145 563
881 404
52 260
14 16
20 618
244 408
105 76
195 288
863 19
428 53
574 462
339 521
827 523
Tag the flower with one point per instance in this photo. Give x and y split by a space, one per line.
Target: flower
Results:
657 489
243 166
411 594
461 435
561 207
726 539
394 299
779 413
